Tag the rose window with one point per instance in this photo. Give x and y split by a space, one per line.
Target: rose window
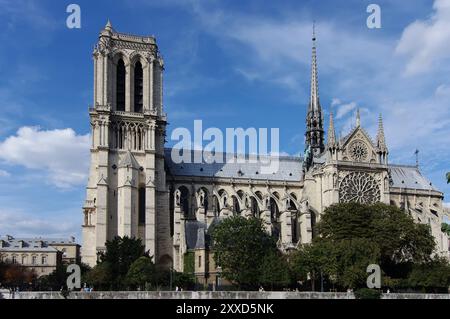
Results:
359 187
359 151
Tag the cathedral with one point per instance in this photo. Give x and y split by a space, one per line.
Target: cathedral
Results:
135 189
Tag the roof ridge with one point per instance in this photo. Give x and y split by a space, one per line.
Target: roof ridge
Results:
291 157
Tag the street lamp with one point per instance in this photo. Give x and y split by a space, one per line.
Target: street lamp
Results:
218 277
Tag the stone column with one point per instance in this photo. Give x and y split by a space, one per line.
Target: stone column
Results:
150 214
128 95
286 227
101 223
265 217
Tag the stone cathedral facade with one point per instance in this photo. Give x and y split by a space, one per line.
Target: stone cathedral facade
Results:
135 189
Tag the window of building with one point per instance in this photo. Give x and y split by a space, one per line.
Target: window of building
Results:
34 260
120 86
199 261
24 260
14 259
142 205
44 260
138 87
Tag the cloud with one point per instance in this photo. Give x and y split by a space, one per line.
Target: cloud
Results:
344 109
4 173
62 154
426 43
20 224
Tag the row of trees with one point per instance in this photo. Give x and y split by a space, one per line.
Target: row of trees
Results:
350 237
126 265
16 276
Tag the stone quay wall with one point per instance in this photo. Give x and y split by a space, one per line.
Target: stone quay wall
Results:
242 295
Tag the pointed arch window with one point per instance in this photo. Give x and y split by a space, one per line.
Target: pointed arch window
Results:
142 205
138 87
120 87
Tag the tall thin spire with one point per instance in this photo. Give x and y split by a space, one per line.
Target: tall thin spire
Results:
331 141
381 142
314 97
314 119
358 118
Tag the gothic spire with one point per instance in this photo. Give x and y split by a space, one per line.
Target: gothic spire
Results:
358 118
381 143
314 119
314 104
331 142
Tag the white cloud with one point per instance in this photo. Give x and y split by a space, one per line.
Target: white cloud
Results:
335 101
62 154
20 224
426 43
4 173
344 109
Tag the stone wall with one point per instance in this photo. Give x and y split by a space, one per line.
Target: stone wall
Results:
208 295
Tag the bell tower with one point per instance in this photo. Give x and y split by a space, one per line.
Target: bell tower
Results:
126 191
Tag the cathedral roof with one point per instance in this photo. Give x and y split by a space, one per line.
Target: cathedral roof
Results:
289 169
404 176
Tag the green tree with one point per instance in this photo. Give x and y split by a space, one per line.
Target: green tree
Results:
120 253
396 234
100 277
351 258
448 177
431 276
141 272
445 228
240 246
274 270
313 261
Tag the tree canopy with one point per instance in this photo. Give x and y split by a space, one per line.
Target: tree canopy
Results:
351 236
240 248
395 233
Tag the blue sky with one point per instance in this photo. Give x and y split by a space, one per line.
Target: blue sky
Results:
229 63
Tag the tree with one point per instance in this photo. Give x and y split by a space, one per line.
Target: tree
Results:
274 270
101 277
396 234
17 276
311 261
433 276
445 228
55 280
141 272
351 258
120 253
240 246
448 177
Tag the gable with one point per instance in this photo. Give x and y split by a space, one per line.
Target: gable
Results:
359 147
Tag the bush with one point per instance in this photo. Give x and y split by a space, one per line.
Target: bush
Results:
366 293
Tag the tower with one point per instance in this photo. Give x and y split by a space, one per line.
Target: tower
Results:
314 119
126 192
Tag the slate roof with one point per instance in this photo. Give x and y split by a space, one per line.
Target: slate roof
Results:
404 176
289 169
9 243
